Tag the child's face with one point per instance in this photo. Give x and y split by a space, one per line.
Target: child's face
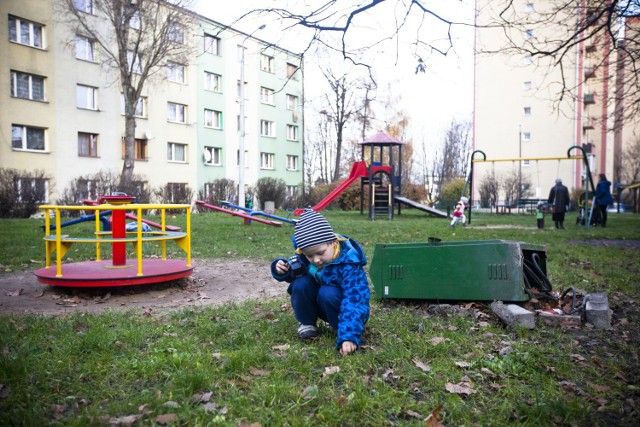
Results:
320 255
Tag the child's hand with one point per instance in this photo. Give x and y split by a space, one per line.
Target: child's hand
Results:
282 267
348 347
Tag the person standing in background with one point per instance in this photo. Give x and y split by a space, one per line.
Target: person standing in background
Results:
603 197
559 199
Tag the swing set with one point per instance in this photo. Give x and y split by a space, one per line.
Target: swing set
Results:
583 156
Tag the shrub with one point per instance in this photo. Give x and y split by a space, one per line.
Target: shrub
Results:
451 193
488 190
271 189
21 192
174 193
218 190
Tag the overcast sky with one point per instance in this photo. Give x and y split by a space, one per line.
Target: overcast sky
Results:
431 99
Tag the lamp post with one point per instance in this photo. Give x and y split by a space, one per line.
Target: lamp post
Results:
241 196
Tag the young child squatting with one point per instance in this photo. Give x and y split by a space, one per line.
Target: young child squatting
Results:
327 281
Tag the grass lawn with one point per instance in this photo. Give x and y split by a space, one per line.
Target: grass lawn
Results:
242 364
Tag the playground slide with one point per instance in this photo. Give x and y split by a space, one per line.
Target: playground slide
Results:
358 170
420 206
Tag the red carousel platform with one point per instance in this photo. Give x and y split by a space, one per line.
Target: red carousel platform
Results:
118 271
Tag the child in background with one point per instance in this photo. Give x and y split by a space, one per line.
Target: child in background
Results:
327 281
540 216
458 215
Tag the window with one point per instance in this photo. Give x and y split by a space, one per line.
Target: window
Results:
211 44
291 71
212 82
85 6
25 32
528 34
135 22
175 72
245 90
177 192
528 59
176 112
139 149
27 138
85 49
87 97
87 144
27 86
292 190
292 163
266 95
141 107
527 111
177 152
527 86
266 160
292 102
267 63
87 188
32 189
213 119
292 133
267 128
176 33
530 8
135 62
246 155
212 156
526 136
526 163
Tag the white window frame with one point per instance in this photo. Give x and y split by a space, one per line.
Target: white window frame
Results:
292 190
211 44
85 49
292 162
176 113
89 141
212 82
32 182
267 128
528 34
24 138
86 97
213 156
30 95
176 72
292 133
266 160
292 71
292 102
527 111
19 28
267 95
212 119
136 63
135 21
141 107
527 86
173 151
267 63
85 6
526 136
528 59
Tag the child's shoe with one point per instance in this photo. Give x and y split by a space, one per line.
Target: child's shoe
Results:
307 331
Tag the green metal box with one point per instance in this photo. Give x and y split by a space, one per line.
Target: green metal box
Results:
481 270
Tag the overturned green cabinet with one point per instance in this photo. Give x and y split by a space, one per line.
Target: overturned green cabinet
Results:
481 270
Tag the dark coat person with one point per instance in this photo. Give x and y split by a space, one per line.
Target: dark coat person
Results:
604 197
559 199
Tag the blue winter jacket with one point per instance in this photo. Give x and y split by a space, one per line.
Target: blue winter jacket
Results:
603 193
347 273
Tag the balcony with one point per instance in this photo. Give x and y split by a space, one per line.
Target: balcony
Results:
590 48
589 123
589 72
589 98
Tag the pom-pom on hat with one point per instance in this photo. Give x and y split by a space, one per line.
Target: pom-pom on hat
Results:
312 229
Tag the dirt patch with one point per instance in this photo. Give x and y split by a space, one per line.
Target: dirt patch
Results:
213 282
620 243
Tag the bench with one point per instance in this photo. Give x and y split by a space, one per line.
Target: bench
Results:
505 208
529 206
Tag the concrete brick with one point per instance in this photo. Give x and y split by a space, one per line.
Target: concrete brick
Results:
562 321
513 315
597 310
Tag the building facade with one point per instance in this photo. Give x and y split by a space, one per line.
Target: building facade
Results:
527 110
63 107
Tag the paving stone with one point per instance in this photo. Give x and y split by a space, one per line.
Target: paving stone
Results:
513 315
597 310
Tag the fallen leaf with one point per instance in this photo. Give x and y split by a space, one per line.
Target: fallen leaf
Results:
281 347
330 370
171 404
38 294
463 364
433 420
459 389
166 419
421 365
598 387
258 372
488 372
411 413
127 420
4 391
210 406
577 357
436 340
15 293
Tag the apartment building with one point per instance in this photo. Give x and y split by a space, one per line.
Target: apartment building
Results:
519 113
63 107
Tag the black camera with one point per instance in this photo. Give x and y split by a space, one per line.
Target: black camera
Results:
296 267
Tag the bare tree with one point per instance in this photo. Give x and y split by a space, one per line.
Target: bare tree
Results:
631 162
136 39
454 151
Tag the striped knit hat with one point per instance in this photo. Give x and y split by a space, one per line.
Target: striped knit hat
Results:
312 229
